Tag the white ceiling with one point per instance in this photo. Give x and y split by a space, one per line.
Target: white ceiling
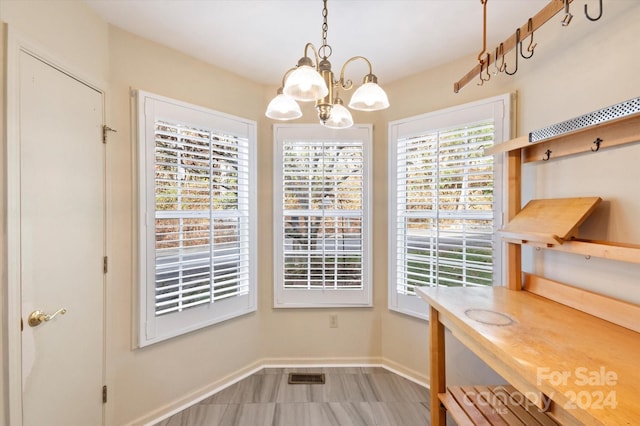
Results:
261 39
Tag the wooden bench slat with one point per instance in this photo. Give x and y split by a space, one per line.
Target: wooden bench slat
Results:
520 412
540 416
498 406
458 414
469 405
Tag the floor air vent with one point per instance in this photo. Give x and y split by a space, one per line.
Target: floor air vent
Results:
306 378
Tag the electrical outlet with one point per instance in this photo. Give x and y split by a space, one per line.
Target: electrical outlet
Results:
333 321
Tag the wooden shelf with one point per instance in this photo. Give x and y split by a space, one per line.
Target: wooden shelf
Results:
622 252
534 228
616 311
553 224
612 133
535 334
529 330
549 222
492 405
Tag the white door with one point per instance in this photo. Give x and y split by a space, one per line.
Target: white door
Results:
62 246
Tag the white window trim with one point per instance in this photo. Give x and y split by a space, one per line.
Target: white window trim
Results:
502 106
152 329
302 298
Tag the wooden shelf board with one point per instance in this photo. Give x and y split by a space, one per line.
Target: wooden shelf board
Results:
539 239
619 312
510 145
613 133
622 252
549 221
616 132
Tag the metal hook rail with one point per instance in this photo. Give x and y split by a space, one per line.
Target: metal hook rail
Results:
515 40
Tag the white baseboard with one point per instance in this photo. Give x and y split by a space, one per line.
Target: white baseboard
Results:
405 372
187 401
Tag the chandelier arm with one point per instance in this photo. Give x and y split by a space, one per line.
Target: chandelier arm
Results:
315 53
286 74
346 85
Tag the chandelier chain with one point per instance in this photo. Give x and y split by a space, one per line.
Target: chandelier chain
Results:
325 50
314 81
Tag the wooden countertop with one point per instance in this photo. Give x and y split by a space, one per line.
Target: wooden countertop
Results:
586 365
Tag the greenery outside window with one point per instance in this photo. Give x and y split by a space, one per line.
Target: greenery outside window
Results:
445 200
197 217
321 237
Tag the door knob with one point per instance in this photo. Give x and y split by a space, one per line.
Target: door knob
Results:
37 317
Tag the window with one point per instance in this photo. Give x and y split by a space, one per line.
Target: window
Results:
197 217
321 234
445 203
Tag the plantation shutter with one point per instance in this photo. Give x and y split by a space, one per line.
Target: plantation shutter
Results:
444 209
321 211
201 217
196 217
322 217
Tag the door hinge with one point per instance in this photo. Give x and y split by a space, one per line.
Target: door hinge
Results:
104 394
105 130
105 264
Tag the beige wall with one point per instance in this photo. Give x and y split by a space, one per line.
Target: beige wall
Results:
303 334
575 70
147 379
3 238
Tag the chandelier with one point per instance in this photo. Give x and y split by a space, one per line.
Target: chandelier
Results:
309 82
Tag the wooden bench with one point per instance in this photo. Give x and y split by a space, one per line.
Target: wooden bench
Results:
571 365
493 405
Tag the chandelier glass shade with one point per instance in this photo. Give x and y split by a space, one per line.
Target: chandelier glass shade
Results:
305 84
369 97
315 81
283 107
340 117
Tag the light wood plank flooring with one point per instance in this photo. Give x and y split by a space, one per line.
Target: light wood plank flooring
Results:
351 396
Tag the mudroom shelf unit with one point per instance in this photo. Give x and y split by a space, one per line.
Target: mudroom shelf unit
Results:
568 354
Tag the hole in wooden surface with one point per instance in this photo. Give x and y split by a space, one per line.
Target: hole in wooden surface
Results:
486 316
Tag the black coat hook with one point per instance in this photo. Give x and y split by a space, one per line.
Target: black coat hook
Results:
586 12
547 155
597 143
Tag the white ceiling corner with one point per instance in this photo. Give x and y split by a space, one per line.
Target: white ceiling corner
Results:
261 39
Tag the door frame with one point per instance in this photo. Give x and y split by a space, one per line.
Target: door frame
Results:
15 45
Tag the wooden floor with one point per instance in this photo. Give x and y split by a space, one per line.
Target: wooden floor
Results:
350 396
